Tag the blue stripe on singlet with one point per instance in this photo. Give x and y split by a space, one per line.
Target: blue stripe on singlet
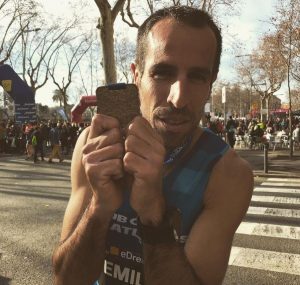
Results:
185 185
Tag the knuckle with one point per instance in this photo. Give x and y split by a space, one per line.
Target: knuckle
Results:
129 141
111 119
95 120
116 134
127 158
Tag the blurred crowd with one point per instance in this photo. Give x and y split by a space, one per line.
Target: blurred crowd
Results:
54 140
253 132
40 140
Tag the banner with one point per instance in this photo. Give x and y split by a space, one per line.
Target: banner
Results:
20 92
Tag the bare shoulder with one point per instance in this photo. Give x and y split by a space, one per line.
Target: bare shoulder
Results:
77 172
80 193
230 185
232 169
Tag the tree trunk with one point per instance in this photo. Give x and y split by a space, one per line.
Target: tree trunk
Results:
65 102
106 26
264 107
290 112
107 40
267 107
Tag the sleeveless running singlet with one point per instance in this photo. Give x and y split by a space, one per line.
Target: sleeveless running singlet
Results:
183 188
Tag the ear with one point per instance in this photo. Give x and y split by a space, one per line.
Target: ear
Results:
135 72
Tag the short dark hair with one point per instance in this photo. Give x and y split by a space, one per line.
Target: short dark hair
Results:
183 14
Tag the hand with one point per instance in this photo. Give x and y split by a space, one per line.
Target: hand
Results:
144 157
102 161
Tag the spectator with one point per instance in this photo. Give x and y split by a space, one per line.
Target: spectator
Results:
54 137
2 138
230 128
37 143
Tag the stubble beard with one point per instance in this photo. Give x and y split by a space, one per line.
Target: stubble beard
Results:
173 140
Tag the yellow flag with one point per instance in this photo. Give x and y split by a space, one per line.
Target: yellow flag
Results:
7 85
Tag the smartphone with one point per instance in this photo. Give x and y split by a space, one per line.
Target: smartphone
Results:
120 101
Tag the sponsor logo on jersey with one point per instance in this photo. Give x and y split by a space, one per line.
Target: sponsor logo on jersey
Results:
125 226
125 254
122 273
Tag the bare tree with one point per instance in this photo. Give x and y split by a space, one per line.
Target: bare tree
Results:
295 99
90 73
125 54
72 55
287 23
264 71
37 52
106 26
10 30
237 100
270 71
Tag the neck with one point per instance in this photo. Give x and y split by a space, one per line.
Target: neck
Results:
177 152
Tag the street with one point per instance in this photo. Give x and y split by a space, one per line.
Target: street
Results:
33 197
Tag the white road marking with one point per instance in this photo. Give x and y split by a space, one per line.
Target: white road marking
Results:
275 179
269 230
288 213
280 191
280 184
265 260
276 199
277 190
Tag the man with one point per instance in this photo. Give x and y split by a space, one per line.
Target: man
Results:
123 229
296 135
230 128
37 143
54 137
2 137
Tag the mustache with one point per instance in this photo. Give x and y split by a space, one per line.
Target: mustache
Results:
169 112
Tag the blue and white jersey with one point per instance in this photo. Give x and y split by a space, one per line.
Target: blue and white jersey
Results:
184 189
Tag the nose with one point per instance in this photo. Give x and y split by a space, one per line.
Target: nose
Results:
178 95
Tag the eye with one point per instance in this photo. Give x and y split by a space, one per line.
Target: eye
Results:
198 76
162 72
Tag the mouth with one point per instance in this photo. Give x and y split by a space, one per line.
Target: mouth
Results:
174 124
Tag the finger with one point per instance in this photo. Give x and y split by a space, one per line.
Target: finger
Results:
133 163
115 151
139 167
141 128
104 170
138 146
101 123
109 137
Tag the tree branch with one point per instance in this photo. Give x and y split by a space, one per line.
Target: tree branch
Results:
132 23
117 8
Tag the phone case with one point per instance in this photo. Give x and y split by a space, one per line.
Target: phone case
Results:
120 101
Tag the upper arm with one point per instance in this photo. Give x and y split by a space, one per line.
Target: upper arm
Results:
226 201
80 194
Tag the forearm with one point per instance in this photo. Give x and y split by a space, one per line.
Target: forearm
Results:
167 264
79 259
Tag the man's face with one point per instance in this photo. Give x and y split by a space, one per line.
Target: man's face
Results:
177 77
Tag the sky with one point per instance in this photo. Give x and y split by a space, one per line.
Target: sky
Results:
248 27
